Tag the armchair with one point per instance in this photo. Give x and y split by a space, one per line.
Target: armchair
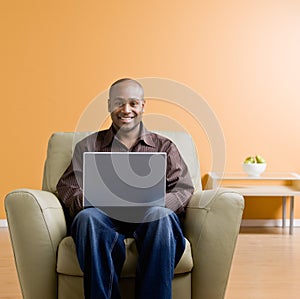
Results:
46 259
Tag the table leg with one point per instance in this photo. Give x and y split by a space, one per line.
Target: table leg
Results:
291 214
283 211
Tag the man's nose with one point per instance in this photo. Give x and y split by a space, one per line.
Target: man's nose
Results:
126 108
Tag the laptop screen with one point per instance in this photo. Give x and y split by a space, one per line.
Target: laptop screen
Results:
124 179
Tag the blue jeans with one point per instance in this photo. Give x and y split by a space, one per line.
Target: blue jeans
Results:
100 249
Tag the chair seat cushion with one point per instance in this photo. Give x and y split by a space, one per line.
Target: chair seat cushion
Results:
67 262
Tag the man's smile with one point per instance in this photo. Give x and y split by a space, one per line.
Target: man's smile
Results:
126 119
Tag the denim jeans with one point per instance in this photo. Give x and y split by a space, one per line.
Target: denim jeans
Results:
100 249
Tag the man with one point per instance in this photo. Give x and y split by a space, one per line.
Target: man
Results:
99 238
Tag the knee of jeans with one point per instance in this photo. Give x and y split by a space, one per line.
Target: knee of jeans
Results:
156 213
86 216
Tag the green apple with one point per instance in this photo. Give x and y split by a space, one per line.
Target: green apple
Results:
260 159
249 160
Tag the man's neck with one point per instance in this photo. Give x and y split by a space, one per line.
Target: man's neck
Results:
129 138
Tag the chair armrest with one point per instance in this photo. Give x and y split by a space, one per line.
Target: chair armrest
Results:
212 225
36 224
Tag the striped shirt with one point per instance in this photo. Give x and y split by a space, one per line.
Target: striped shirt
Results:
179 187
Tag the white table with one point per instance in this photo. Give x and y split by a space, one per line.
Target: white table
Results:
284 185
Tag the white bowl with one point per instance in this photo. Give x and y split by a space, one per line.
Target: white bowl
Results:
254 169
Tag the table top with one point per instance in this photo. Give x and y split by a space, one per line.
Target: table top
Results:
265 190
261 188
290 176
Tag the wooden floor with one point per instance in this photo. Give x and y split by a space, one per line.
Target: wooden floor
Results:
266 265
9 285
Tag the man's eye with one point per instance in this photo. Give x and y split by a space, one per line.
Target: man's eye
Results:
134 103
118 104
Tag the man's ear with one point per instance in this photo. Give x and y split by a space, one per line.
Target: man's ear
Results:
143 106
108 106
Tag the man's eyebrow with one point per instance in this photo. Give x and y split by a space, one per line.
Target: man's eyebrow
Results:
118 99
129 99
135 99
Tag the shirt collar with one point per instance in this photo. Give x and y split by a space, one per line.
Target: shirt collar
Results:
109 137
145 136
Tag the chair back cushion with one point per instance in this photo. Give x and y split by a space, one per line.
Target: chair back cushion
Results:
61 146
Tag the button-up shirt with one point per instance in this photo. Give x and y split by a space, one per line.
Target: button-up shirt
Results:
179 187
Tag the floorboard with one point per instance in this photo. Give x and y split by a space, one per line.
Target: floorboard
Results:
266 265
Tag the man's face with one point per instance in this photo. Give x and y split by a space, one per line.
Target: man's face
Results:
126 105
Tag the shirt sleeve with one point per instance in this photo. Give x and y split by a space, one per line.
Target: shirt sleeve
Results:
179 188
69 187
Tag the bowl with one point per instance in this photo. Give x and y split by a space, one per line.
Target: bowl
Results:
254 169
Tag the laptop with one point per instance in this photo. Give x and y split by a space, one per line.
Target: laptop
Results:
124 184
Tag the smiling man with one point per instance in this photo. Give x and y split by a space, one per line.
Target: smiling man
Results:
126 106
99 238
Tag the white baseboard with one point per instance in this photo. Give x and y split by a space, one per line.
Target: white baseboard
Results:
267 222
3 223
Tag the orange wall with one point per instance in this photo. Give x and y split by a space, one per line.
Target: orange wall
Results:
241 56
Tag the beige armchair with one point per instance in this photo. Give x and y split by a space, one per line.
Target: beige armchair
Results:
45 257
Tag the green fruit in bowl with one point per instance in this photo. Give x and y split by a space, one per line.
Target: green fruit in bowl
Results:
249 160
253 160
259 159
254 166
